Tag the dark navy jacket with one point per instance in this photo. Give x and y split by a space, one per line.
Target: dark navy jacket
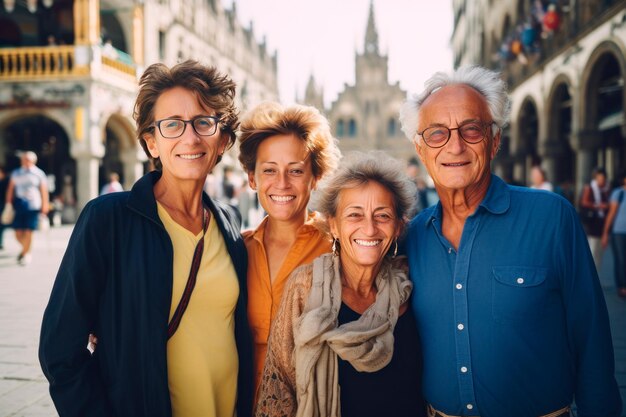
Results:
116 280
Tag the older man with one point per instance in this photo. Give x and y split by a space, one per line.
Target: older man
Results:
510 311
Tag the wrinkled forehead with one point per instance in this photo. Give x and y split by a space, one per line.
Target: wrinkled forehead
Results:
454 103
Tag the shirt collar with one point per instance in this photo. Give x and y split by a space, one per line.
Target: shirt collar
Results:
307 227
498 198
496 201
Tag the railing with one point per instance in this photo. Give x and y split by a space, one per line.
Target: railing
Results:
28 62
575 24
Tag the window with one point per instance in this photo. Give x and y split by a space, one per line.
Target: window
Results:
352 128
340 128
391 127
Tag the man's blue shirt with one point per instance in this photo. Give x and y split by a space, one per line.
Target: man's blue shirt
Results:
514 322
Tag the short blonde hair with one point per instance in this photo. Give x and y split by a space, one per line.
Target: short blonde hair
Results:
305 122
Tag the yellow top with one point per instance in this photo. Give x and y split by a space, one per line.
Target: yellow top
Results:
202 360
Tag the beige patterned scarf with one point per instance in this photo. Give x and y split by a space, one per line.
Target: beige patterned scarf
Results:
366 343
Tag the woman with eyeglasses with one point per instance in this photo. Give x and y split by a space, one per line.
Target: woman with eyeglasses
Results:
157 273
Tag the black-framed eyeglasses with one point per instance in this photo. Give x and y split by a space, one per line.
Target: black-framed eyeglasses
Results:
174 128
470 132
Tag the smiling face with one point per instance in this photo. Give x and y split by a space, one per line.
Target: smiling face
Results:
457 165
283 177
366 225
189 157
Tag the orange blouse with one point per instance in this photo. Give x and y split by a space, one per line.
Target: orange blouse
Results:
263 296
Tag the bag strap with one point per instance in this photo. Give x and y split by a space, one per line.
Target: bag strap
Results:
191 280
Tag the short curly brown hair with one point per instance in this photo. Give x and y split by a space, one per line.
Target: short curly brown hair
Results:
212 88
305 122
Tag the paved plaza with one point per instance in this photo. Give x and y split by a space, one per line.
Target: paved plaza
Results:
24 292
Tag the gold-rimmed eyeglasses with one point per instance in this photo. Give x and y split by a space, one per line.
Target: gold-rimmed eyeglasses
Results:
470 132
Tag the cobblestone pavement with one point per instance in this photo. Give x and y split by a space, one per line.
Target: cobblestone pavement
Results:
24 292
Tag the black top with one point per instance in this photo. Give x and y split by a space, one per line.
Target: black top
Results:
395 390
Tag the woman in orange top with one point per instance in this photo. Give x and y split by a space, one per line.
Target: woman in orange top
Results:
285 152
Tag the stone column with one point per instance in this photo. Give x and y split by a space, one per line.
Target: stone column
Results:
550 152
132 161
585 144
87 179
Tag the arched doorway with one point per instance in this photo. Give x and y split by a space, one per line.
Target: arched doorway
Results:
111 162
604 110
49 141
528 138
120 155
560 134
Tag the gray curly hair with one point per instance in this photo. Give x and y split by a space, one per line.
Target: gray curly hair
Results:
359 168
488 83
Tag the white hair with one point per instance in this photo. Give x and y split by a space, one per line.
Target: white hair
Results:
488 83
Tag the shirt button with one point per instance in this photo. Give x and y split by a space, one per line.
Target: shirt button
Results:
464 369
520 280
459 286
460 326
469 406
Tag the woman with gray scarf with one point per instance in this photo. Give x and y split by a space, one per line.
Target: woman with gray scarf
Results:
344 341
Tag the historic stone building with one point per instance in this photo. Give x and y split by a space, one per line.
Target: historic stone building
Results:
69 71
365 115
565 63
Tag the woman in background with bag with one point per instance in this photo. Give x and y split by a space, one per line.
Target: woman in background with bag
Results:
158 273
594 203
616 225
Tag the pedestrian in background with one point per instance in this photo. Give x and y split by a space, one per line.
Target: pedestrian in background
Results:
28 192
594 202
4 184
507 299
615 232
538 179
158 273
113 186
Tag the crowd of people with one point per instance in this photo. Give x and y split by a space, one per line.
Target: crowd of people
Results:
487 303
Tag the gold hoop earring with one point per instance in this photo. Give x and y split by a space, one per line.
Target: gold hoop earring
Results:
395 250
334 248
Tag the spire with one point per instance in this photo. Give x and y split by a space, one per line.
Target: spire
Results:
371 34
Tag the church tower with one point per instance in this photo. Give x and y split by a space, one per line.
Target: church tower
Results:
371 66
314 95
365 115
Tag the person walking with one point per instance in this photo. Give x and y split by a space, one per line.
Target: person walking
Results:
4 184
594 203
28 192
615 232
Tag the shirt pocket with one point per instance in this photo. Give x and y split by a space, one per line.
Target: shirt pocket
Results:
520 294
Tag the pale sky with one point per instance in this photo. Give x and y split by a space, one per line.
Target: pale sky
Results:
321 36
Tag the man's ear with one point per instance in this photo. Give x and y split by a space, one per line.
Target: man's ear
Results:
420 150
495 143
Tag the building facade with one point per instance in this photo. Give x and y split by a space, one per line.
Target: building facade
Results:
565 63
69 72
365 115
